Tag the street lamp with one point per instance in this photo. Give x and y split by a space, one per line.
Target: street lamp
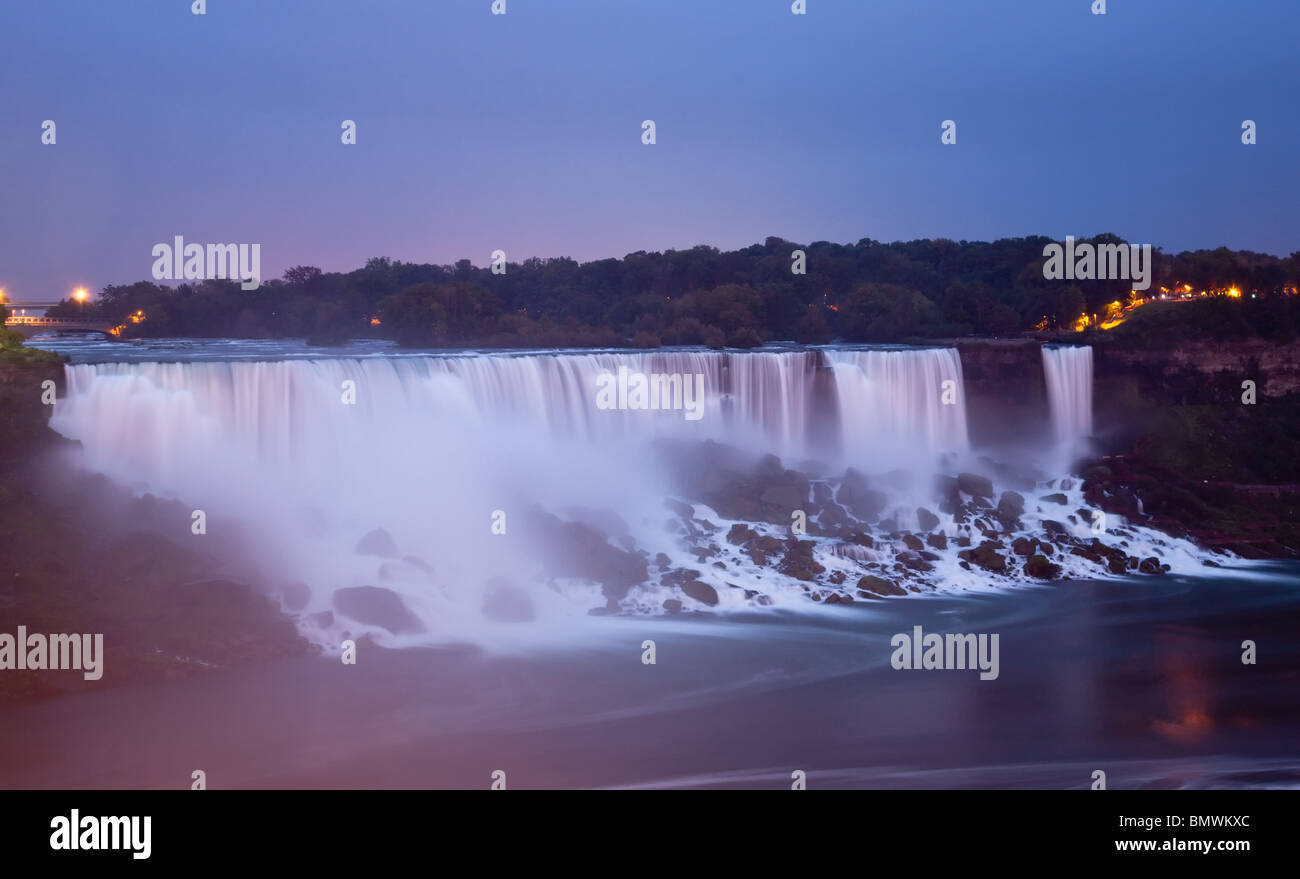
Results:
79 294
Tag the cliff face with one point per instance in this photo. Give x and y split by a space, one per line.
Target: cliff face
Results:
1179 406
1006 392
24 419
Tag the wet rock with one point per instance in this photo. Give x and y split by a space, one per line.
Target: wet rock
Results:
701 592
296 596
927 520
1011 506
572 549
1056 498
798 561
861 538
672 605
378 542
912 542
662 560
377 606
324 619
986 555
1025 546
938 540
686 511
975 485
1038 566
833 517
1150 565
741 534
679 577
1055 529
836 577
855 494
915 562
963 541
878 586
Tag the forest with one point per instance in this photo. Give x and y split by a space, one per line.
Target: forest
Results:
863 292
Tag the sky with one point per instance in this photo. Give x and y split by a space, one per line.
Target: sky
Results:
523 132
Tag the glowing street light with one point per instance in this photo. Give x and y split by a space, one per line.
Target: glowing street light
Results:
80 294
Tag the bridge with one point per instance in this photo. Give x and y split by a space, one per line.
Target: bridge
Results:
30 325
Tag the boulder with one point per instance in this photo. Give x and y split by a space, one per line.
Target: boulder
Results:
927 520
1038 566
377 606
377 542
871 585
975 485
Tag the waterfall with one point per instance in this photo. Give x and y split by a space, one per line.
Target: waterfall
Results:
901 401
303 461
1068 371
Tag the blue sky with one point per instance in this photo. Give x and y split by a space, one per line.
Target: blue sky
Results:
523 132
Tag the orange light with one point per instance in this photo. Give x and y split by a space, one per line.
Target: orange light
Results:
80 294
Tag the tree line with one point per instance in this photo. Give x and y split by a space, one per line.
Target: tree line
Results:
864 292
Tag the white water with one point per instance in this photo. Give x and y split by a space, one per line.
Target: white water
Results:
1068 371
892 403
433 446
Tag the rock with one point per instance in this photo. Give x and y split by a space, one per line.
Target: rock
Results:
296 596
503 602
963 541
837 577
686 511
974 485
854 493
833 598
324 619
915 562
938 540
662 560
672 605
1055 529
1150 565
1011 506
861 538
798 561
377 606
701 592
1038 566
1024 546
768 544
878 586
928 521
1056 498
833 517
912 542
378 542
572 549
986 555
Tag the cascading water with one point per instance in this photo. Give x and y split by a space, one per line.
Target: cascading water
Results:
1068 371
449 498
899 403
